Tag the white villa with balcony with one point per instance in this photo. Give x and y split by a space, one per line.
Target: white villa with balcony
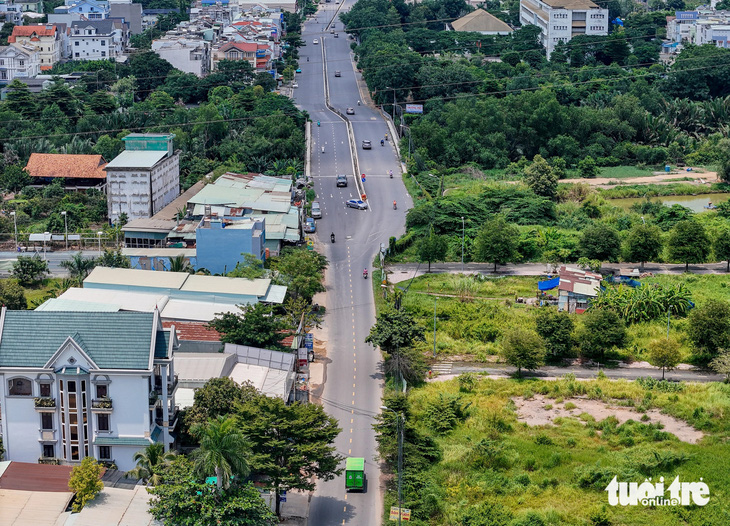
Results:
78 384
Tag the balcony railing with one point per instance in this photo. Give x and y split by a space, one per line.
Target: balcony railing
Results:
171 384
102 403
45 402
52 461
154 396
172 417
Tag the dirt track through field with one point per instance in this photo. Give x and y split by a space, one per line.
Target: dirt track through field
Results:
657 178
533 412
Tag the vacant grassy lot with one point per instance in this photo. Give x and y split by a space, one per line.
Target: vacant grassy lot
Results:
473 311
556 474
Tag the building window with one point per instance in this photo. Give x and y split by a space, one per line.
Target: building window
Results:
22 62
45 389
105 453
102 390
76 43
77 55
46 421
49 451
20 387
103 42
102 422
103 53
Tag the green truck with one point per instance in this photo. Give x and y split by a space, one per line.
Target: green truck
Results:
355 474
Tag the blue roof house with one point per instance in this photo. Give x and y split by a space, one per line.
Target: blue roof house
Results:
78 384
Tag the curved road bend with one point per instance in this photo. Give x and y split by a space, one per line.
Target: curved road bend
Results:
353 389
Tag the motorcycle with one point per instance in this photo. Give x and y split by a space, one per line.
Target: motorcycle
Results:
332 237
317 124
307 59
382 142
390 172
365 273
395 206
358 103
322 149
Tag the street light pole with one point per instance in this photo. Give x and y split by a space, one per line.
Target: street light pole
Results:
15 223
463 230
99 236
393 106
399 431
46 235
65 225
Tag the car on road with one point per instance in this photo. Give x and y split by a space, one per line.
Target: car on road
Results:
315 41
332 31
341 180
338 73
316 210
295 85
350 111
299 70
356 203
367 145
310 226
337 35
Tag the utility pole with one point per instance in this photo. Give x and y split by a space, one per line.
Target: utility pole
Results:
434 325
463 230
399 431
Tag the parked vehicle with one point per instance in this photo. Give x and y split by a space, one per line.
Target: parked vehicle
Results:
316 210
310 227
350 111
315 41
356 203
355 474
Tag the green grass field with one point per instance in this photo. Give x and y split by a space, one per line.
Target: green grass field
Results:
472 312
556 474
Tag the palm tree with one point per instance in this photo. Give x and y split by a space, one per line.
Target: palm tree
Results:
150 457
180 264
223 450
79 267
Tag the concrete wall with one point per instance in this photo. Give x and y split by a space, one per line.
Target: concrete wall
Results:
165 182
156 263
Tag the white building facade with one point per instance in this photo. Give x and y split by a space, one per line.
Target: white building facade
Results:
561 20
98 40
144 178
18 62
189 54
96 384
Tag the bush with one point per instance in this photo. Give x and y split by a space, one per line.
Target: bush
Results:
85 482
602 329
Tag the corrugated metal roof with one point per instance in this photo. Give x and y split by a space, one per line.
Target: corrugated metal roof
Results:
275 294
271 382
136 159
113 340
149 225
196 310
136 278
160 252
224 285
26 476
132 301
195 369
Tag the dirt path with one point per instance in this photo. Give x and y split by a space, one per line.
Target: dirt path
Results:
540 410
700 177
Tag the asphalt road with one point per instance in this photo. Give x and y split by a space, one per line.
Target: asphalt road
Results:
54 260
353 387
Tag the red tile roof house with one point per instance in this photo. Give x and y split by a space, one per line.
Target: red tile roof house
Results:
576 289
259 55
80 172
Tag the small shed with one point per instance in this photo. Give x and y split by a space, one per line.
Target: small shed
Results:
576 289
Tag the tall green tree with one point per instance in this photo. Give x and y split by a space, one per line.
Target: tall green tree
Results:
709 328
523 348
14 178
223 451
300 270
688 243
148 461
394 329
587 167
12 295
721 246
432 248
602 330
541 178
114 259
496 242
182 499
644 243
255 325
600 241
664 353
556 328
29 269
218 397
293 445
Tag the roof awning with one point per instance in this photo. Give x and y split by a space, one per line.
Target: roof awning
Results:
75 371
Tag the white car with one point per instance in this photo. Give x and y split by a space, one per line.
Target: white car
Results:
315 41
295 85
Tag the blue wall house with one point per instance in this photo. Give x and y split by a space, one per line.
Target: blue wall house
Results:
220 243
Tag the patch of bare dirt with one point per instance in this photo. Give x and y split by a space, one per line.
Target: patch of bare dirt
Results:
533 412
658 178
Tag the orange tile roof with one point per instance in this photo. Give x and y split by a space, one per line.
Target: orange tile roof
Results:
196 331
66 165
26 31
